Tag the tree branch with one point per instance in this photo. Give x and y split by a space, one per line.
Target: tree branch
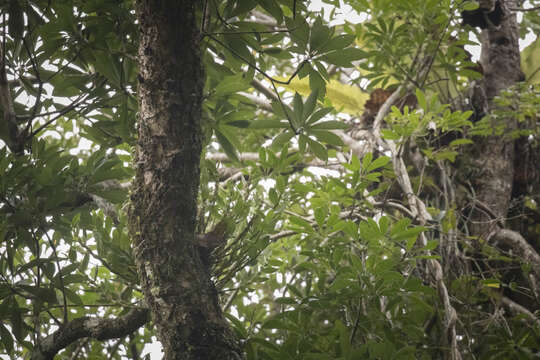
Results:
260 102
96 328
358 148
418 209
247 156
9 131
517 309
263 19
259 86
516 242
528 9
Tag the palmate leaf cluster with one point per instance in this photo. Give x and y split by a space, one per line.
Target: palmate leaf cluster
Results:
321 260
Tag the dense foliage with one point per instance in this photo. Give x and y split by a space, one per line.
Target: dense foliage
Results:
338 166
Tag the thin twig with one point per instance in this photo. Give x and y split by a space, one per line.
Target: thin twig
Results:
60 276
78 101
528 9
431 59
261 71
37 335
249 32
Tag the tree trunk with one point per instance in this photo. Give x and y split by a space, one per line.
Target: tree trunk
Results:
493 157
177 286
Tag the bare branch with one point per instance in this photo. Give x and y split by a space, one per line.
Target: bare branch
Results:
105 206
261 102
259 86
358 148
524 250
517 309
528 9
248 156
394 205
99 329
263 19
418 209
385 109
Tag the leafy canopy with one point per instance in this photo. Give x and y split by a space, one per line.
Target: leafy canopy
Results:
322 260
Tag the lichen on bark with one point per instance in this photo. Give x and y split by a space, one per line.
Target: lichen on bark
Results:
177 286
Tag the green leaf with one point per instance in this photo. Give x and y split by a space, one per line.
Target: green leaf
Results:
319 114
530 62
73 297
321 71
237 325
343 334
108 66
240 123
281 139
286 300
320 34
410 243
273 9
327 136
275 324
377 163
115 196
310 104
302 143
298 107
469 5
409 233
344 57
390 134
329 125
269 124
366 160
108 171
243 7
354 165
318 149
337 43
17 323
431 245
237 46
227 146
231 85
317 83
7 339
278 53
306 225
320 215
459 142
299 30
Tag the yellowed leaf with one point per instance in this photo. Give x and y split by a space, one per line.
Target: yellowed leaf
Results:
530 62
345 98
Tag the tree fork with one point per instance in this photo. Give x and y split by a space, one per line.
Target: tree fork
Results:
177 287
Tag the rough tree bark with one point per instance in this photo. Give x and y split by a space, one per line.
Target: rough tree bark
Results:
177 286
493 157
